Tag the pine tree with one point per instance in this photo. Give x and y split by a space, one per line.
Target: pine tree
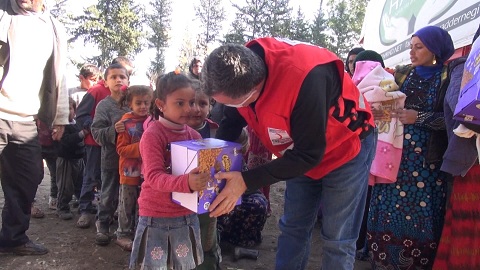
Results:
278 18
188 51
59 12
250 20
159 23
318 29
345 22
114 26
237 35
300 29
211 14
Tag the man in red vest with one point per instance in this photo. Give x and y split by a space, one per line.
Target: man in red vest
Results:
306 110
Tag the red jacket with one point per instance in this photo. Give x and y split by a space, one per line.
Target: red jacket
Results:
86 108
286 75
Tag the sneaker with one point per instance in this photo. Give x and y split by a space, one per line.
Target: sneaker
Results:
65 214
27 249
83 221
125 243
52 203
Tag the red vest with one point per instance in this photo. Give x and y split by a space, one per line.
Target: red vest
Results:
288 64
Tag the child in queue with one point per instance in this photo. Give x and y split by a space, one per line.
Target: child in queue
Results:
208 225
138 98
70 165
168 235
105 127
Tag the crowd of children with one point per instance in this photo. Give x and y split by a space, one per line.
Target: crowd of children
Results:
118 143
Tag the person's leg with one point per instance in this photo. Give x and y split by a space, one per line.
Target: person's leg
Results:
66 172
21 171
50 157
78 178
108 205
211 249
302 198
63 177
90 176
361 244
343 201
128 195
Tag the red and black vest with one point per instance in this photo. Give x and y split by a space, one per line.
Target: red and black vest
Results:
288 64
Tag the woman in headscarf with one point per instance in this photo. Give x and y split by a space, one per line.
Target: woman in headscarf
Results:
352 54
406 217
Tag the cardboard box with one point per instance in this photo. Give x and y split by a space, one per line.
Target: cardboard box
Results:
468 106
210 155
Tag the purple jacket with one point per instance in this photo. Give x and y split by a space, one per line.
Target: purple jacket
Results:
461 153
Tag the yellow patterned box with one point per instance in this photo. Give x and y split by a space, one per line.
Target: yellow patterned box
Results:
209 155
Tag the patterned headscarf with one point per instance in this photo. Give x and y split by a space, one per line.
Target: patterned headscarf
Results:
437 41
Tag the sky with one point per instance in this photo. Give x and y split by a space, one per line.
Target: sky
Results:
183 15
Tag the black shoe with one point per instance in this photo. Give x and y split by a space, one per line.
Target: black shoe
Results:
102 239
27 249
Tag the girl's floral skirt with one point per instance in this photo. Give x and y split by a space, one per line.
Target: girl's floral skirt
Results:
167 243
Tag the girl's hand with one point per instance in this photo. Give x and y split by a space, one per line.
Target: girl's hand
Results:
120 126
406 116
197 181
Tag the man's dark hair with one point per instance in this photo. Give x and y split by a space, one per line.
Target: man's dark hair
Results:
233 70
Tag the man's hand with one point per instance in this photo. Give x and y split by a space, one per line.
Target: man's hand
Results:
228 197
57 132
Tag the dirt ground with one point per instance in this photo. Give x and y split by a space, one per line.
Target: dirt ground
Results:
73 248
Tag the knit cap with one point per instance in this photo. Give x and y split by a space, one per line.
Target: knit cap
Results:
369 55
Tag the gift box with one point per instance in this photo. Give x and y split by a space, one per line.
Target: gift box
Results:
209 155
468 106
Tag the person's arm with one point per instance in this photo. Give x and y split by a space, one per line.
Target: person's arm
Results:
84 110
308 122
430 120
70 138
152 149
103 131
453 89
231 125
125 148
